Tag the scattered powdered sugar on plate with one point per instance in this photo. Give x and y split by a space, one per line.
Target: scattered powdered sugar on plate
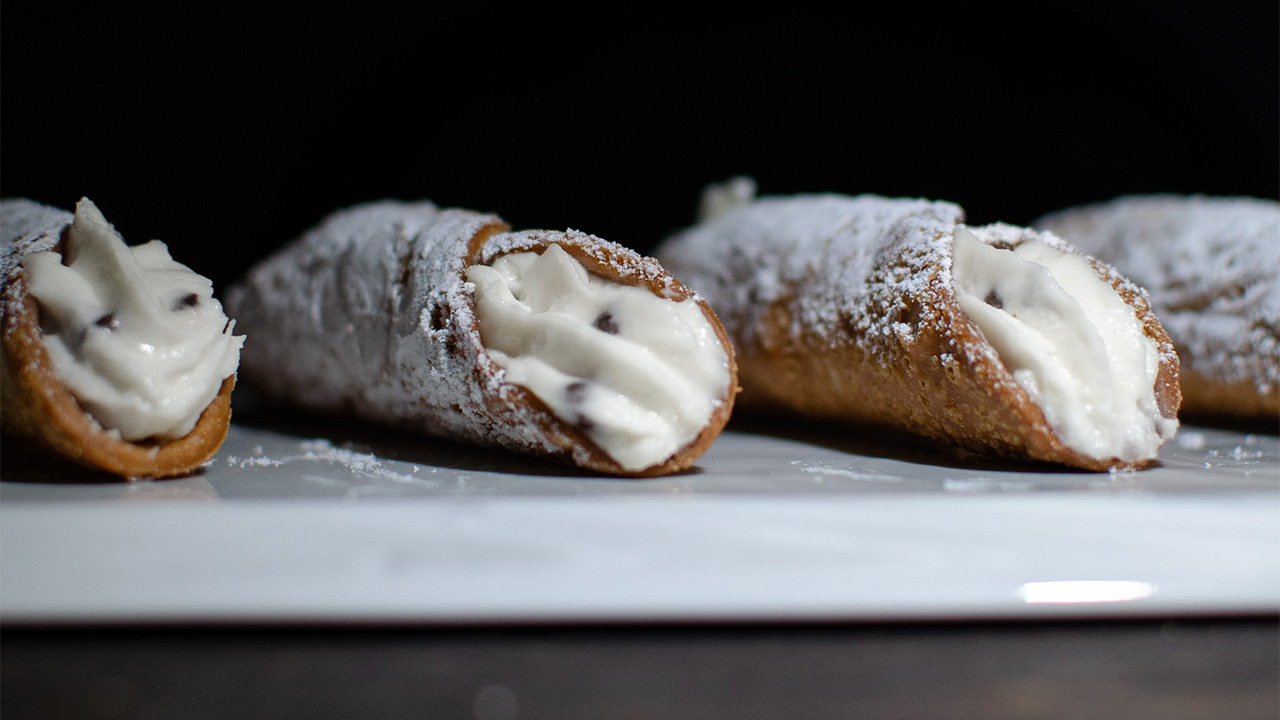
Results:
1236 453
821 470
984 484
239 462
323 451
1191 440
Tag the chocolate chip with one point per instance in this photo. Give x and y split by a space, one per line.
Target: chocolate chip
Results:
583 422
605 323
439 317
189 300
108 321
77 339
993 299
49 324
575 392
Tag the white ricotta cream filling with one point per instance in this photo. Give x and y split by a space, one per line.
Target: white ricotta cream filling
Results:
1070 340
638 374
137 338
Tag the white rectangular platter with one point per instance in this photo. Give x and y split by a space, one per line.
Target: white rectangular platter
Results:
316 526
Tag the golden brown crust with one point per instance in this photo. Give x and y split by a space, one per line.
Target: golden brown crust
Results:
973 403
38 407
944 383
1211 397
408 351
623 268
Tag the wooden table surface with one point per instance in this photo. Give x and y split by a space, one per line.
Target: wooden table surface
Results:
1193 668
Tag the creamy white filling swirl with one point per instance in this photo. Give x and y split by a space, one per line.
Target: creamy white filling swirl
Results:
137 338
1069 339
639 374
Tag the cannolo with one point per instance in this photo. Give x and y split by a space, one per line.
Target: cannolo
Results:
1212 267
115 357
442 321
894 312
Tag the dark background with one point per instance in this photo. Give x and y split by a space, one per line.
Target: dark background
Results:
226 131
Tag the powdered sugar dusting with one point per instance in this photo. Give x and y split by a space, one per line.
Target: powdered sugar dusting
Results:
821 250
389 331
30 226
26 227
370 313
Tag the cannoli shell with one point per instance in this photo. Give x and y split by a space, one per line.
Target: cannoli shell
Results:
1212 268
842 308
36 405
370 314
